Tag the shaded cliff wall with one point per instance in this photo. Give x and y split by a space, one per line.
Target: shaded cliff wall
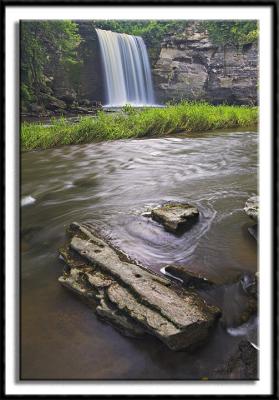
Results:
91 80
191 67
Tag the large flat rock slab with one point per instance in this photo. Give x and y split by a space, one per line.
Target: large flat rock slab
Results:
131 298
175 217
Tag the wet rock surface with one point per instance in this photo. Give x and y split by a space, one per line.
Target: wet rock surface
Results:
253 230
175 217
252 207
134 300
252 210
188 278
250 283
242 364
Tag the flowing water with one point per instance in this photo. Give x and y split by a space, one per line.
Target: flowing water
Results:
126 68
111 184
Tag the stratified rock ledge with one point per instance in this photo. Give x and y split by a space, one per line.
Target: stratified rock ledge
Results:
175 217
129 297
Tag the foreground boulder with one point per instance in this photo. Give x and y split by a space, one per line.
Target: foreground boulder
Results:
175 217
252 207
129 297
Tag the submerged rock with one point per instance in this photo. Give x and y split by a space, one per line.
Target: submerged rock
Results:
253 230
252 207
175 217
132 299
242 364
249 282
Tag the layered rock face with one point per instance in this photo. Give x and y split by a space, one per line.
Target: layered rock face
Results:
191 67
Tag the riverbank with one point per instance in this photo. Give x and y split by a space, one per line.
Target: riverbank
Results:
131 122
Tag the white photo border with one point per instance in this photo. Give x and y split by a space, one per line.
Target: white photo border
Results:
263 13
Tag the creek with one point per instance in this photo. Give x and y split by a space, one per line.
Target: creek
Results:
111 184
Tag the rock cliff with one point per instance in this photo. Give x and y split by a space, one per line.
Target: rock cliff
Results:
191 67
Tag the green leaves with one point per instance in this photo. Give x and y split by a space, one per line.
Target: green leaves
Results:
43 43
225 32
132 122
228 32
151 30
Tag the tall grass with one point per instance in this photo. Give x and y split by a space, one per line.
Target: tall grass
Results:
187 117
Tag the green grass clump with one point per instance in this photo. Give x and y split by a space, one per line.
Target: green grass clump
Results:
184 117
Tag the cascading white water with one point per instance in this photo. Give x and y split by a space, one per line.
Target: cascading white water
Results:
127 69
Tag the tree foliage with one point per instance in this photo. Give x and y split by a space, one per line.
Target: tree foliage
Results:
45 43
229 32
151 31
221 32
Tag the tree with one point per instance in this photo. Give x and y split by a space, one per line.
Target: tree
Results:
151 31
44 43
237 33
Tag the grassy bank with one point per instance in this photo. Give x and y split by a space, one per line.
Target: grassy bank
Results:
188 117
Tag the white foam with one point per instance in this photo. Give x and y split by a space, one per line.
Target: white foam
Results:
245 329
255 346
239 331
27 200
163 271
69 185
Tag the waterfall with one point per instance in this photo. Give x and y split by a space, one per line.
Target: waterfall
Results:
127 69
